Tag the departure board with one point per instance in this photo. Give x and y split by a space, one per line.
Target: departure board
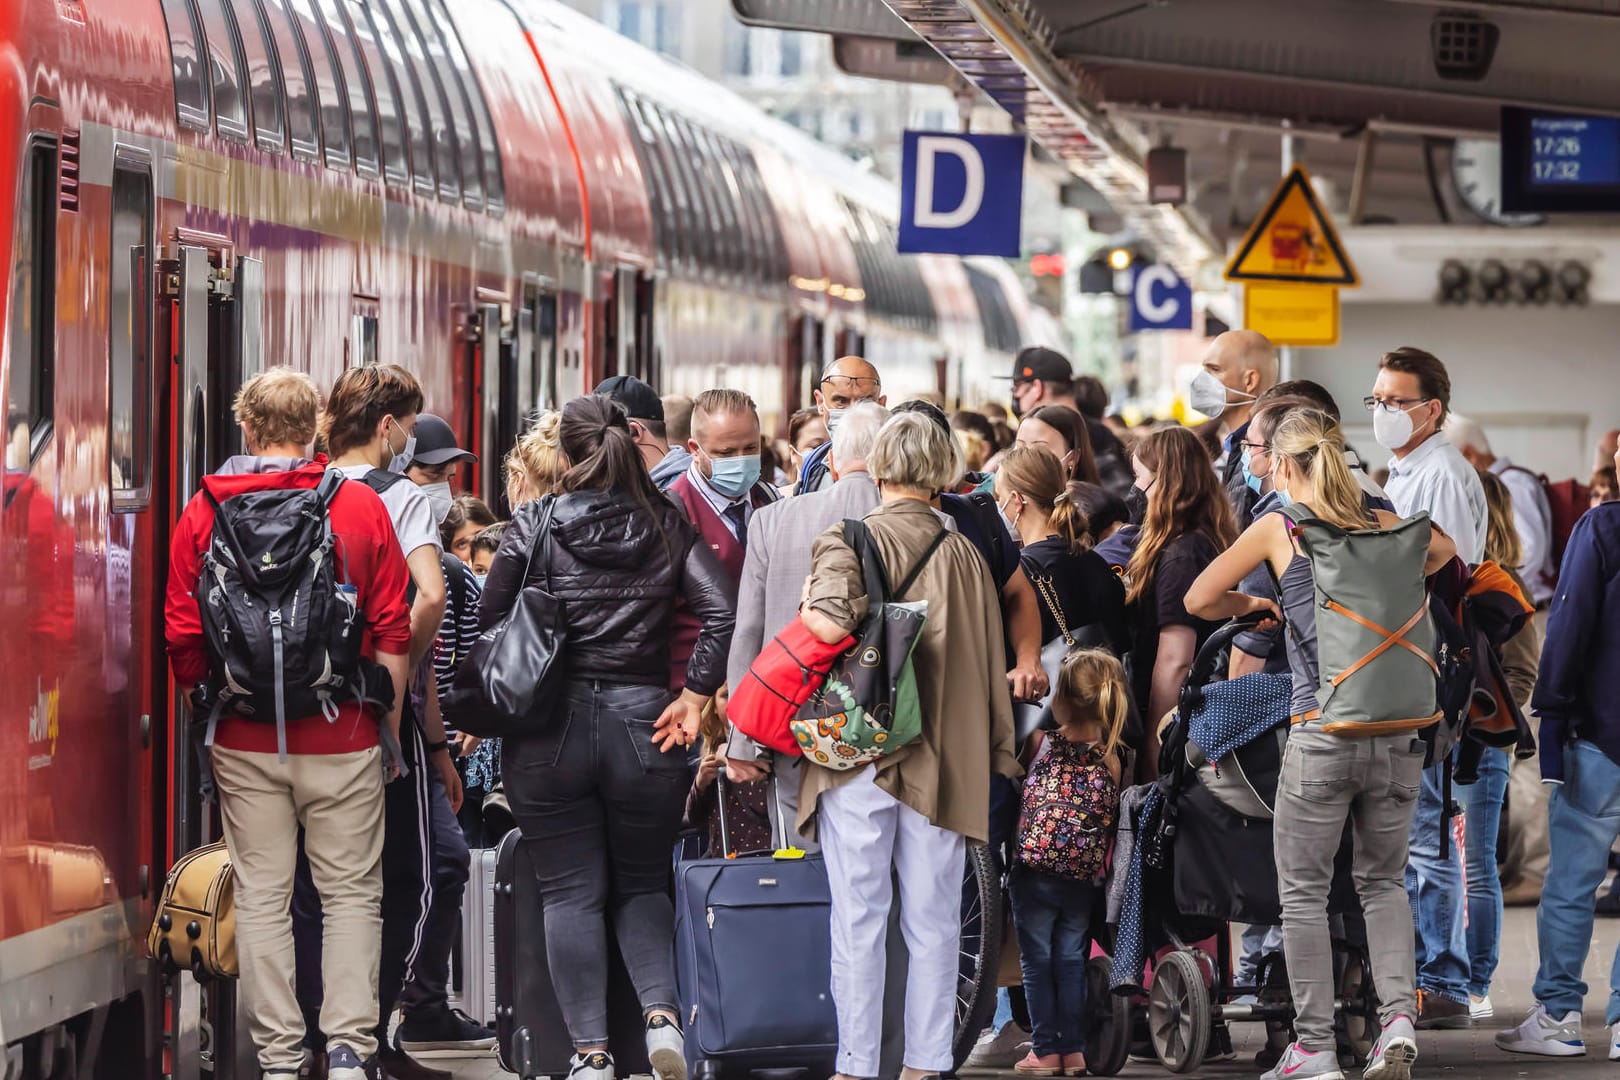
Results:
1560 162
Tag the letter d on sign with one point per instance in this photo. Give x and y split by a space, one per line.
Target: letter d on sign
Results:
927 215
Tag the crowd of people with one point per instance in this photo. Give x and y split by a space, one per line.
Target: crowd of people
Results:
679 539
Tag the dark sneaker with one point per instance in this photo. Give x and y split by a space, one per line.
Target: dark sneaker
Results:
344 1064
395 1064
1436 1013
443 1033
596 1065
666 1049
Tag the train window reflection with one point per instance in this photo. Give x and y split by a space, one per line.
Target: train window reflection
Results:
269 125
484 128
413 108
190 81
329 91
31 394
362 115
130 353
225 71
467 154
383 90
440 137
292 66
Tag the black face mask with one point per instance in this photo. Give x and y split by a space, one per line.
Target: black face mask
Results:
1136 502
1017 409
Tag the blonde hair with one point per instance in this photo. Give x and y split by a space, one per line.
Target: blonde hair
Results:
1035 473
720 402
278 407
1091 686
536 463
1502 544
912 451
1313 444
973 448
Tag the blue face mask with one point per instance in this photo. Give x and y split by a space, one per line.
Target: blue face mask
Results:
1283 497
1249 478
480 578
733 477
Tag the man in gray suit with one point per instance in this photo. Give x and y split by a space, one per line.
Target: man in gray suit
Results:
778 561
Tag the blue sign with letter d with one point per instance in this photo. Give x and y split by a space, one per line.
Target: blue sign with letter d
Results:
961 194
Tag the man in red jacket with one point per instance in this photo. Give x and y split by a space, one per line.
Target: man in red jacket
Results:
331 779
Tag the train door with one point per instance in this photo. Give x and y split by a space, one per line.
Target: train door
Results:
805 373
628 327
494 404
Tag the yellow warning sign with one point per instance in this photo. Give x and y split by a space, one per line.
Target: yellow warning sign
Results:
1293 240
1292 314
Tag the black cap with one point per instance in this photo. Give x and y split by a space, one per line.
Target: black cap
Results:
640 401
1037 362
928 409
436 443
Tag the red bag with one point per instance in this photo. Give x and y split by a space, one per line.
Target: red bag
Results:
782 678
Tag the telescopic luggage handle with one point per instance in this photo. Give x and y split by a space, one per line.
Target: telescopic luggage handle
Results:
773 810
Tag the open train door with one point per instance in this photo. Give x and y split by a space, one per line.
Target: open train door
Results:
804 374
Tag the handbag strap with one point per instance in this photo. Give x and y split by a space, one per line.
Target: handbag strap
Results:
860 539
1048 593
922 561
541 542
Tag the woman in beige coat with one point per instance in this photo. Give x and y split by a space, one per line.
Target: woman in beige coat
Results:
912 813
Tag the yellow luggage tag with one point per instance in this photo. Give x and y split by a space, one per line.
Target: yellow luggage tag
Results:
788 853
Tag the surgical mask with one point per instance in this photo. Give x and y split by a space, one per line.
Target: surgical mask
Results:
1136 501
1252 481
480 578
733 477
1212 397
439 495
1010 522
1283 497
401 461
1394 429
834 418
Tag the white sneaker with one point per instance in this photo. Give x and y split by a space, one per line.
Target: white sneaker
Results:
999 1049
1614 1042
1479 1008
1543 1034
666 1049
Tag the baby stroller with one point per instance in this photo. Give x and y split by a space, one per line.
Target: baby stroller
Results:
1207 860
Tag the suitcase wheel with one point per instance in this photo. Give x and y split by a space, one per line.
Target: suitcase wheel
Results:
705 1069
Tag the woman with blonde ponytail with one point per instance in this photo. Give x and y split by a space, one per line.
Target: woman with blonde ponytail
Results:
1076 589
1328 778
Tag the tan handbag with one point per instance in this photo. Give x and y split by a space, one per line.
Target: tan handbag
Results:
195 925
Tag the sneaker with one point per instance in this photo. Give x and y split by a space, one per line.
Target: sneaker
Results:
1220 1044
999 1049
395 1064
1246 999
1393 1054
344 1064
443 1033
666 1048
1074 1064
1614 1042
1030 1065
1300 1064
1542 1033
596 1065
1479 1008
1436 1012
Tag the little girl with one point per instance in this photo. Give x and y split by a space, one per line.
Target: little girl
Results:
746 806
1065 834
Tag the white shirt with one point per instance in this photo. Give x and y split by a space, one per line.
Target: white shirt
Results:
1532 516
720 503
1437 478
410 509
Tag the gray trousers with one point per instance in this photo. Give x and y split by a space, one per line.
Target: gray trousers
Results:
1373 783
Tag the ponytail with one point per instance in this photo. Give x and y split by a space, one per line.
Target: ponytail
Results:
595 433
1035 473
1314 446
1070 520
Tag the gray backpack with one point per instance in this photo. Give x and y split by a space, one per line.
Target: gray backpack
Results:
1375 640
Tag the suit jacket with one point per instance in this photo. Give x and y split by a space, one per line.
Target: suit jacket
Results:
775 567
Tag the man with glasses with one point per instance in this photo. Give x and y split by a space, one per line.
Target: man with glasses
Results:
1409 403
849 381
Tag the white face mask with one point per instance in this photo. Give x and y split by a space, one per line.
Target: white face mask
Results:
1212 397
439 495
834 418
1394 428
402 460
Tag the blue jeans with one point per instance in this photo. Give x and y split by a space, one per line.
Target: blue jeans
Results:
1256 944
1435 887
1482 802
1052 916
1583 818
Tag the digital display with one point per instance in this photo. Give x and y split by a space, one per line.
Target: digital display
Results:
1574 150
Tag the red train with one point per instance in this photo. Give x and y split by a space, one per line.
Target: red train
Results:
507 198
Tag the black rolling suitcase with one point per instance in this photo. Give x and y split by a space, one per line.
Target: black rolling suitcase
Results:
532 1040
753 962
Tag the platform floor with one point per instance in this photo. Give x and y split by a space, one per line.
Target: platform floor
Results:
1452 1055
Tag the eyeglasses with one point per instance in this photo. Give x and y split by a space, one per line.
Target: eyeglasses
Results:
849 383
1255 448
1396 404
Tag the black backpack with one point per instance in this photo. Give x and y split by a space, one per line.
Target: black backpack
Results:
283 633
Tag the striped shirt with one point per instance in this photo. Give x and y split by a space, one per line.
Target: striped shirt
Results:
459 629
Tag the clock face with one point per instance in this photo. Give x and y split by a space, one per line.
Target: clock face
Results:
1476 170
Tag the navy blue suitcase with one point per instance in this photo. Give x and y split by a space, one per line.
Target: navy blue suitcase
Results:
753 963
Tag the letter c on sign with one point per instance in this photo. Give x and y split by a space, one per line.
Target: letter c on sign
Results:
1164 278
927 217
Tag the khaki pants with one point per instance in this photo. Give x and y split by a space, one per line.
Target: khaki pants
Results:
1527 839
338 799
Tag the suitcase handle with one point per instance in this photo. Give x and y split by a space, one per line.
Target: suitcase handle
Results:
773 811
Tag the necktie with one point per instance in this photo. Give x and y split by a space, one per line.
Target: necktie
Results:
737 514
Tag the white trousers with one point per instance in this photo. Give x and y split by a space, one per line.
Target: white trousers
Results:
867 836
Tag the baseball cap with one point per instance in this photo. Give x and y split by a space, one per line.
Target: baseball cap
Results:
1037 362
436 443
640 401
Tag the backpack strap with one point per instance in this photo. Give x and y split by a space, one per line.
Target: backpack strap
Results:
455 582
922 561
327 489
983 507
380 480
859 538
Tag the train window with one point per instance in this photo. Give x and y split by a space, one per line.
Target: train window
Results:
752 239
413 108
292 66
130 352
699 226
269 123
362 114
225 71
467 151
718 225
190 77
483 126
652 175
441 138
31 390
662 145
329 91
383 90
730 240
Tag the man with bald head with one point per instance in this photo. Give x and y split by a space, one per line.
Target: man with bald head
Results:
1238 367
848 381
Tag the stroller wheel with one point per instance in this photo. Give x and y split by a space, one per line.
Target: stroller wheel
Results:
1108 1023
1357 1020
1178 1012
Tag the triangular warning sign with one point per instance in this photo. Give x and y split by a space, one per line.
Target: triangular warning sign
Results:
1293 240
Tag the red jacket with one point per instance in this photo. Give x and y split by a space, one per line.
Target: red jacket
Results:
367 551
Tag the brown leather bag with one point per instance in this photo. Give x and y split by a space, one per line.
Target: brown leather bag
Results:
195 925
